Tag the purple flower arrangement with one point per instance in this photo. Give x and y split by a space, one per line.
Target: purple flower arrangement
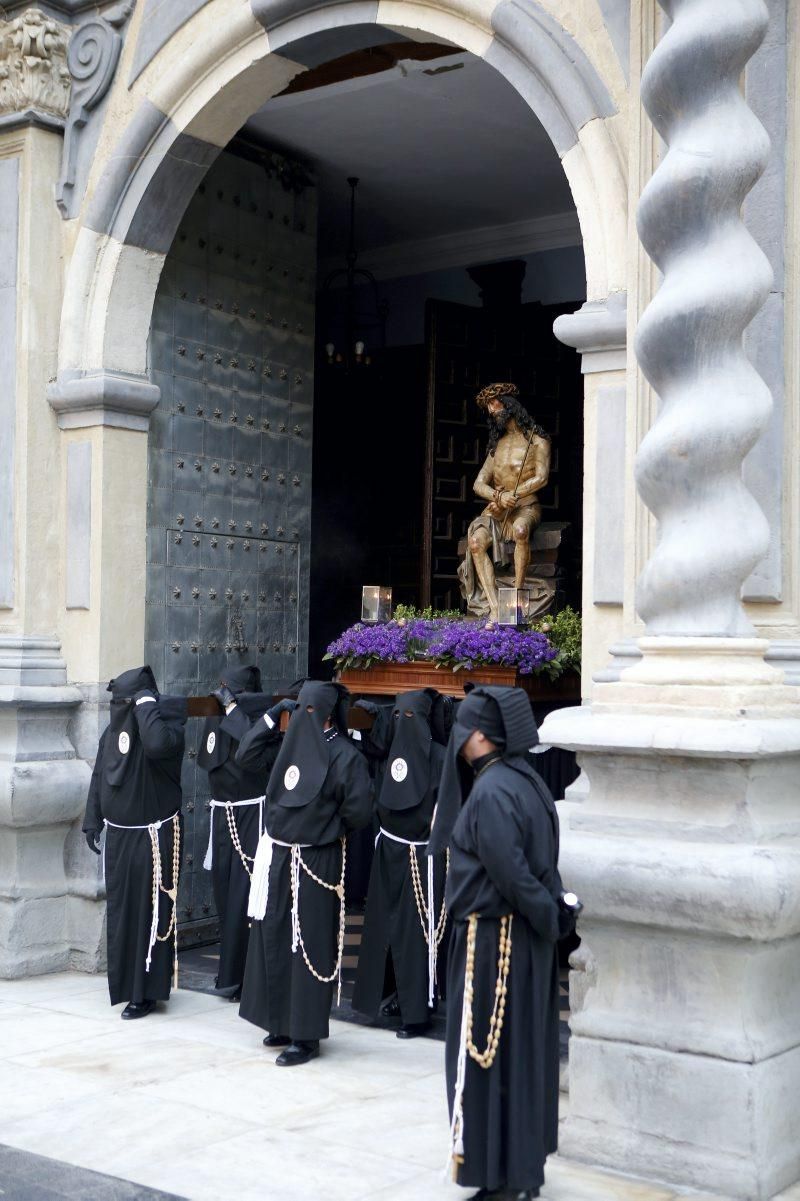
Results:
465 644
447 643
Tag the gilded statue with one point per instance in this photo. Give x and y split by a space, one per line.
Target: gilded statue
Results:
516 469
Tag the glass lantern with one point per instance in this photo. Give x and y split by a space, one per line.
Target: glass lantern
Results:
513 606
376 603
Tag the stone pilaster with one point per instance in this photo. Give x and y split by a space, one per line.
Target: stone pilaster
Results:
685 1051
43 788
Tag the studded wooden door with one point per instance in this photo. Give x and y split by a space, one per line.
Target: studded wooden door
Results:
229 488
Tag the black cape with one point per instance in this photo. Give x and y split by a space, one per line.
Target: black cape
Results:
229 782
137 781
392 924
504 856
280 994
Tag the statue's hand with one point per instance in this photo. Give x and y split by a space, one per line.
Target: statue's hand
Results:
508 501
494 509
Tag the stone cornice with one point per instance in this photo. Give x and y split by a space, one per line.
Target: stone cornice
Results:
598 332
103 398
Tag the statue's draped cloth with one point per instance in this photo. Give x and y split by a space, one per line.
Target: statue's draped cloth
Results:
502 554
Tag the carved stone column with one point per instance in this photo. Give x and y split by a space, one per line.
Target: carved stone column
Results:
685 1050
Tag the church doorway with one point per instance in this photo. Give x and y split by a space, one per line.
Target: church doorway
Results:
465 222
288 466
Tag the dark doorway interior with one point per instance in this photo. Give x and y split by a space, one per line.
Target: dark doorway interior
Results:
398 444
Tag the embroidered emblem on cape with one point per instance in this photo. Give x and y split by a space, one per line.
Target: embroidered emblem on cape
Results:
399 770
291 778
211 742
124 742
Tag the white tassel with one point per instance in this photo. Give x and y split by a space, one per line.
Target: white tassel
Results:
154 843
259 881
295 870
209 859
457 1123
431 936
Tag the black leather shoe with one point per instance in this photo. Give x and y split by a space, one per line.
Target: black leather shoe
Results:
413 1029
297 1053
504 1194
236 996
137 1009
390 1008
277 1040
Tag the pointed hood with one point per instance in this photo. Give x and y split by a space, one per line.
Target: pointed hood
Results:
123 729
216 743
303 760
504 715
408 765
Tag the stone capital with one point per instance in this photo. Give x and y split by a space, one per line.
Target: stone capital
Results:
34 77
103 398
598 331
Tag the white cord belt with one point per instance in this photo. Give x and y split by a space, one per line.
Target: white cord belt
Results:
158 885
432 931
228 806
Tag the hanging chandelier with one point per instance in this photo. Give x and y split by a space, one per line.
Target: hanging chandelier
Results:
360 333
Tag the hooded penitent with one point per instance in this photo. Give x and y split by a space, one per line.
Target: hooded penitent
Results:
404 917
504 716
305 754
135 790
218 741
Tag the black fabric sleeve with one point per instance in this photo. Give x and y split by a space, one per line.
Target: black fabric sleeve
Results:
93 817
500 840
255 748
237 723
160 740
354 791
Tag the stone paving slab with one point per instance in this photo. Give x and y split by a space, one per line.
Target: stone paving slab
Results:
189 1103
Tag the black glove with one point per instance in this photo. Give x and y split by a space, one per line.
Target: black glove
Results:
287 705
93 840
368 707
224 696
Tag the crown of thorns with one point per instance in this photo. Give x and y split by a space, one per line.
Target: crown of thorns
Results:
494 392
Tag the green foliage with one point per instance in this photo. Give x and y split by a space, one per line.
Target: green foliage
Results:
564 631
412 613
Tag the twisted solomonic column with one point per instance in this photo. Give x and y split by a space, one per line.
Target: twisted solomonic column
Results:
714 405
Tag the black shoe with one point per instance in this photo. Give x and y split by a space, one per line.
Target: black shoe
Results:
390 1008
412 1029
137 1009
237 995
504 1194
297 1053
277 1040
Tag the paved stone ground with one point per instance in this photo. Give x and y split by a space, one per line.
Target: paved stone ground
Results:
188 1102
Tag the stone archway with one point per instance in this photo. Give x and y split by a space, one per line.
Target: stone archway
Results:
198 91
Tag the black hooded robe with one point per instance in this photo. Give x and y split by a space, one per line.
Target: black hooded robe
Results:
504 855
392 922
230 878
134 787
280 994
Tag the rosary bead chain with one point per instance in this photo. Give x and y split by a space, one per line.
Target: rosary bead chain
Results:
419 897
486 1058
233 830
339 890
172 893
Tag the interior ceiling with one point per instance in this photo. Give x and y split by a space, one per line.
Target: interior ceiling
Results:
441 145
